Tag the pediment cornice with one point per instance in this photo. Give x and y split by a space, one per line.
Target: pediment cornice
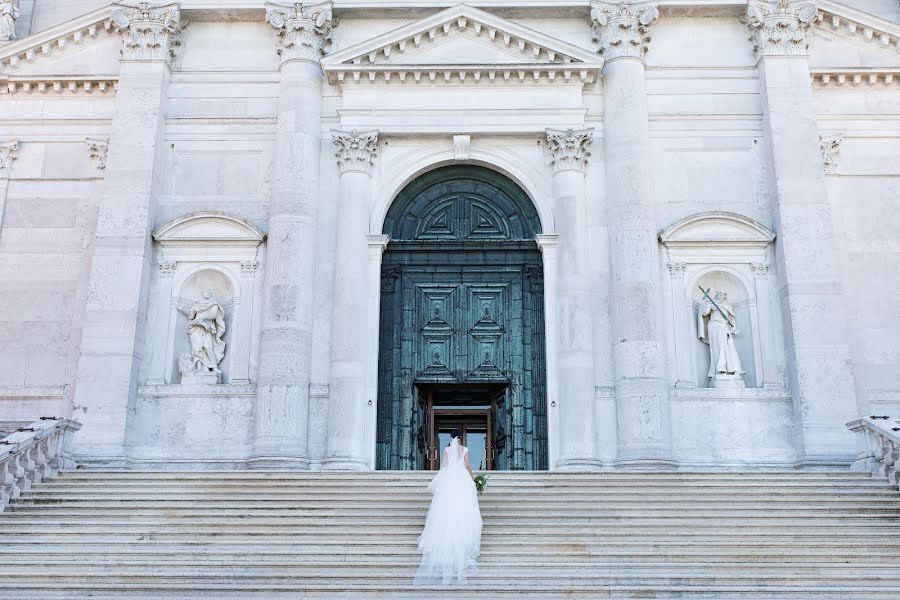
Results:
836 17
532 56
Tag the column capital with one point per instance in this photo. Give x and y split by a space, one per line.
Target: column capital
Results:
377 244
569 149
676 269
621 28
99 149
546 242
167 268
830 146
248 267
356 150
9 151
303 31
150 33
779 28
760 269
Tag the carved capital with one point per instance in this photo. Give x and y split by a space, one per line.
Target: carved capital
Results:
356 150
779 28
303 30
676 269
150 33
621 29
99 149
831 149
569 149
760 269
9 151
248 267
167 268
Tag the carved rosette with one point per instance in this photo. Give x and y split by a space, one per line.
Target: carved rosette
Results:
569 149
303 31
356 150
9 151
99 149
150 32
779 28
621 29
831 148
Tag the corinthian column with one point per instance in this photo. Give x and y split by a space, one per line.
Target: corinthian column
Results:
569 152
282 397
818 356
356 152
113 333
642 403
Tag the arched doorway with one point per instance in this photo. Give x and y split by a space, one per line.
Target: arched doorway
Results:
461 339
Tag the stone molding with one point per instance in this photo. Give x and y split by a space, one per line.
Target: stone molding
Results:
9 151
779 29
858 24
59 85
99 149
621 29
830 145
855 77
569 149
150 33
303 31
356 150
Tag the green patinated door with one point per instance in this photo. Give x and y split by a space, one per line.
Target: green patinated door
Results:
462 309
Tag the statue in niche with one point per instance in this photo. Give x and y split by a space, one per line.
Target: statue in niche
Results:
716 326
206 326
9 12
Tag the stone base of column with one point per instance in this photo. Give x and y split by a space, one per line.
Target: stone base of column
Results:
279 453
825 444
645 463
345 463
578 464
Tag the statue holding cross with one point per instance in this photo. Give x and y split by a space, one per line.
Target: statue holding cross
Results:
716 326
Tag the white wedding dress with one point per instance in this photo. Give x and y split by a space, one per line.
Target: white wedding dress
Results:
451 541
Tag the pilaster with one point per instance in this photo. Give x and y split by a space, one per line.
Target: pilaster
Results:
818 356
282 402
641 386
569 154
347 408
9 151
112 342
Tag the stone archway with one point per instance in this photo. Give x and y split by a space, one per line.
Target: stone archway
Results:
462 319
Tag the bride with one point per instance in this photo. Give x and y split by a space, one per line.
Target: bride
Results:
451 540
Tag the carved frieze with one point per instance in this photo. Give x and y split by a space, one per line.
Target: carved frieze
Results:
8 153
150 32
779 28
356 150
622 29
303 30
569 149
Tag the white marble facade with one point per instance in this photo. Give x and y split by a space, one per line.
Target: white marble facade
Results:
666 146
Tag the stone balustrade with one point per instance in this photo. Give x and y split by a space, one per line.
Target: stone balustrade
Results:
882 447
35 453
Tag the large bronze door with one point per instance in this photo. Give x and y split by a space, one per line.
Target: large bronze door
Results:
462 305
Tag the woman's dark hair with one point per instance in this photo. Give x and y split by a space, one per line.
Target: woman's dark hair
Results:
456 433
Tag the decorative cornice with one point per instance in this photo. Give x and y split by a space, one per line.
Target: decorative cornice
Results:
150 33
569 149
831 148
621 29
854 23
72 33
779 28
9 151
855 77
99 148
303 31
48 84
356 150
456 74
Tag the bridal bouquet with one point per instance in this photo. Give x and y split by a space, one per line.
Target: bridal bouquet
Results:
480 483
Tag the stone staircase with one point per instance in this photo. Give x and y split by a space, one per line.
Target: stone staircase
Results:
721 535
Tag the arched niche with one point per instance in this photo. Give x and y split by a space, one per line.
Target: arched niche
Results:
732 252
194 252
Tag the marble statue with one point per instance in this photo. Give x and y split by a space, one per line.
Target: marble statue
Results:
206 326
716 326
9 12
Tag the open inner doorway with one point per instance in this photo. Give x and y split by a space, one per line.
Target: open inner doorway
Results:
469 408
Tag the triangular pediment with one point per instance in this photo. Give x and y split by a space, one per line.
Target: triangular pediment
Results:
459 41
843 36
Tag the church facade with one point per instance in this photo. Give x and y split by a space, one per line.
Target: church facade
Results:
322 235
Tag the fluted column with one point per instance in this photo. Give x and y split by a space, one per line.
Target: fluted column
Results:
817 346
641 388
346 449
115 313
569 152
282 393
